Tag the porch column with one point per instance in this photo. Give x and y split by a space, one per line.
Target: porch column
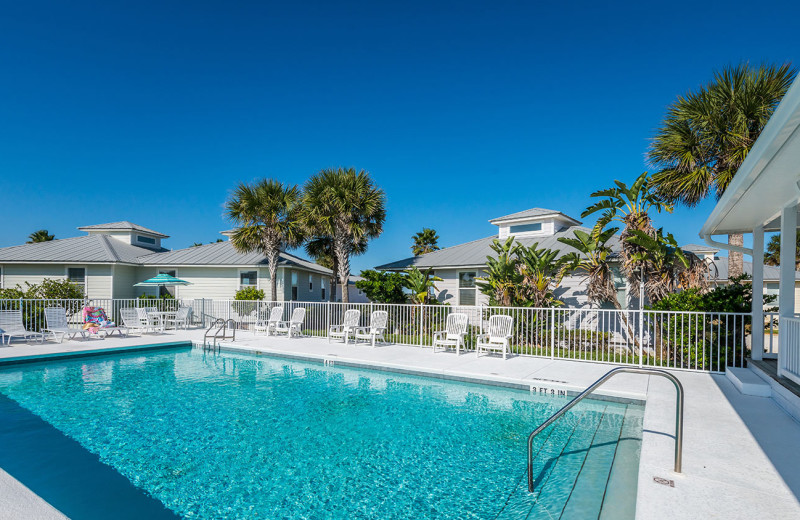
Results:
757 332
787 277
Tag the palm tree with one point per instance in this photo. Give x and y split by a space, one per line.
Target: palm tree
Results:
630 207
773 254
420 283
320 248
502 279
267 215
542 271
594 263
347 207
40 236
707 134
425 241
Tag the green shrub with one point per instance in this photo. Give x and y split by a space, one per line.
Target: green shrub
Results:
383 286
248 293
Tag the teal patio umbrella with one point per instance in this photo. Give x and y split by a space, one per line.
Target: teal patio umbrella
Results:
162 280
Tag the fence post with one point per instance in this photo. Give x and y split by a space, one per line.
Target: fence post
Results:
328 318
552 311
641 334
421 312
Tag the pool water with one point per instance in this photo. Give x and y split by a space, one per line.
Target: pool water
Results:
229 435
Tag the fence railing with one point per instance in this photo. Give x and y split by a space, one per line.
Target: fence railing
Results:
790 348
703 341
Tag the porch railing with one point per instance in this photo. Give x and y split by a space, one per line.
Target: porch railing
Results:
701 341
790 348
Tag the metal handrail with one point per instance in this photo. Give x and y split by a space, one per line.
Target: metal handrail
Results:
222 326
592 387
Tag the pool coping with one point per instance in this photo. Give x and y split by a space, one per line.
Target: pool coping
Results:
56 356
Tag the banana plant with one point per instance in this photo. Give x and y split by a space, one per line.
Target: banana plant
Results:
420 283
593 261
502 278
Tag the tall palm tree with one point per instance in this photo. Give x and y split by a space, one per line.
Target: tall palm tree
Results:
346 206
773 253
425 241
707 134
268 220
630 207
40 236
320 248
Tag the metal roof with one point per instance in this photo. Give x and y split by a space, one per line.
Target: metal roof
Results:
474 253
534 213
771 272
223 253
122 225
88 249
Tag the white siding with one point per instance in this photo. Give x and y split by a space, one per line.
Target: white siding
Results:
98 281
18 274
124 278
447 289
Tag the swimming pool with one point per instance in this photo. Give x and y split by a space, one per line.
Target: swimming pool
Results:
230 435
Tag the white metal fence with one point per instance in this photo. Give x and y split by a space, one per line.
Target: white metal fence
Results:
687 340
790 348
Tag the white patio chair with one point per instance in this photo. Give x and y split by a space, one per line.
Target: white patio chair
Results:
58 326
497 336
13 327
145 318
133 321
182 316
294 325
454 333
348 326
269 325
377 326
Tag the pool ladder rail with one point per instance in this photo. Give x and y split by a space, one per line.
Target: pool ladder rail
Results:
591 388
220 328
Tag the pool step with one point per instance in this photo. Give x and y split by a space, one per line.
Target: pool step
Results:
573 467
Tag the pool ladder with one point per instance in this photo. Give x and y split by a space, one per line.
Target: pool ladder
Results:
220 329
592 387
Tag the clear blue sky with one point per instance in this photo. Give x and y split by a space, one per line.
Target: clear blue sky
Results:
462 111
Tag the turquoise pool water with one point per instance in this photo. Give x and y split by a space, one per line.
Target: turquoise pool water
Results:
228 435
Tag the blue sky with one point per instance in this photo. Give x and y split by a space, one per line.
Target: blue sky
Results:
462 111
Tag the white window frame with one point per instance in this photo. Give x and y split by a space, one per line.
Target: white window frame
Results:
174 287
474 287
250 270
85 283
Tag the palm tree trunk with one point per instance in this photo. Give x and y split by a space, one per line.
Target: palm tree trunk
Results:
342 255
272 265
735 258
334 276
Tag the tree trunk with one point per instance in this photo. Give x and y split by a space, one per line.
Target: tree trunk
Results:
334 277
272 265
342 255
735 258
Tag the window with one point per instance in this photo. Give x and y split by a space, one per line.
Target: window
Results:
164 291
77 275
294 285
323 293
248 279
145 240
466 288
310 283
525 228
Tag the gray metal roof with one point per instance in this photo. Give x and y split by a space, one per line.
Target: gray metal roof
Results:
223 253
122 225
771 272
89 249
699 248
474 253
533 212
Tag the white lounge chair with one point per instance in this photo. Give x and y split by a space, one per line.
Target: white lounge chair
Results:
133 321
13 327
454 333
498 335
58 326
268 325
377 326
348 326
181 318
294 325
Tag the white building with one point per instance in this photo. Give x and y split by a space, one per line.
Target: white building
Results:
111 258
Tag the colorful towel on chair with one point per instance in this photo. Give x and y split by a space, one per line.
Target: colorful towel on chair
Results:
95 317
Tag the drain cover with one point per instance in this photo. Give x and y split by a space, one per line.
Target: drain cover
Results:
664 481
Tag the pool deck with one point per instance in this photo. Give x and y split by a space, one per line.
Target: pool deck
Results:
740 457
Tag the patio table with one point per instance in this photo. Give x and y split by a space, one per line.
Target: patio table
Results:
161 317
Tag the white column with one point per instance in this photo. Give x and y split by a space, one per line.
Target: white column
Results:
757 347
787 276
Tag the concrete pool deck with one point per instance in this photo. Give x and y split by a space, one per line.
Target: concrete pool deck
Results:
740 457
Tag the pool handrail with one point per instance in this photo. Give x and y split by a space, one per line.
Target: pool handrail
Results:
592 387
